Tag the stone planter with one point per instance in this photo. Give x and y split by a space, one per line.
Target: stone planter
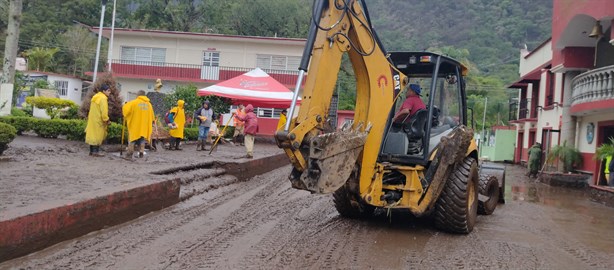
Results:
603 195
569 180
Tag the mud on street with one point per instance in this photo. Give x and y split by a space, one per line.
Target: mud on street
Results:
263 223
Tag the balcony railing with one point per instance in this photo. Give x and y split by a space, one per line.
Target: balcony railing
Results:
523 110
193 72
594 85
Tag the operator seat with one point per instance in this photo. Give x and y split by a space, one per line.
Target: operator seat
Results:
405 138
415 131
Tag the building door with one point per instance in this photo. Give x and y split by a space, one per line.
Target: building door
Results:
519 147
547 142
211 66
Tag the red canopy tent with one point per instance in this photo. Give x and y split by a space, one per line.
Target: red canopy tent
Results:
255 87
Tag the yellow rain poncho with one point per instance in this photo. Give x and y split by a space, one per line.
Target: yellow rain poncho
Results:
178 119
97 120
282 122
139 117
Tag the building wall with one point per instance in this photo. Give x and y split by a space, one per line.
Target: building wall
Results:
183 50
503 148
73 91
535 59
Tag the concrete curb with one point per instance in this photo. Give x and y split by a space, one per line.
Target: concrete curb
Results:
21 235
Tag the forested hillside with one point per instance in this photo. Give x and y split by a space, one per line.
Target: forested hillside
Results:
484 34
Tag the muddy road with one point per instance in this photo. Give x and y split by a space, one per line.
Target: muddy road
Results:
265 224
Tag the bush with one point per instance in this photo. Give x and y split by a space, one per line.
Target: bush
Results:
230 130
190 134
52 106
18 112
71 113
73 129
22 124
568 155
7 134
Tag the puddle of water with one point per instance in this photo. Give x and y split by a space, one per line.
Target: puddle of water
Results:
571 210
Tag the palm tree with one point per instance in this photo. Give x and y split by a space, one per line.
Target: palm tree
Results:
40 59
605 150
568 155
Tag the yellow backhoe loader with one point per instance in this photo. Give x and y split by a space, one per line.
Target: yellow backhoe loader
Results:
425 161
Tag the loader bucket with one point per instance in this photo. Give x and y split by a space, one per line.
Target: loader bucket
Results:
496 170
332 158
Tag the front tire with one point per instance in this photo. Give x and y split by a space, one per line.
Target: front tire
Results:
347 201
456 208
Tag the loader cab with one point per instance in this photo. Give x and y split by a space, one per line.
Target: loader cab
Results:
411 140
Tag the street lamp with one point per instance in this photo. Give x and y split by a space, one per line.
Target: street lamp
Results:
104 5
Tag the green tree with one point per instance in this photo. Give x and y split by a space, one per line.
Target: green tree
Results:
40 59
80 46
187 93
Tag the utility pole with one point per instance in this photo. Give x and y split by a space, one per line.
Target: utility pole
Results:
10 54
483 124
104 6
110 53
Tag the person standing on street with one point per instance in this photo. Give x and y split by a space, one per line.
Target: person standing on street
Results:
535 153
282 119
205 116
251 128
177 123
139 117
98 120
237 137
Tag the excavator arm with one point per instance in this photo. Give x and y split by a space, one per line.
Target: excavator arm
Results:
322 160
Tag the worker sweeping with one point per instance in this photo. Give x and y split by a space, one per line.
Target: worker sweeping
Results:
177 124
98 120
139 117
535 154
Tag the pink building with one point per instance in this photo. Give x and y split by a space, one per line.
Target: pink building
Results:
567 84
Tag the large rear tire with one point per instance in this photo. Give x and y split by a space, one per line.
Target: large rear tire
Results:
488 187
456 208
347 201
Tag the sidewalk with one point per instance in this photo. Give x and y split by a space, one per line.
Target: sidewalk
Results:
52 190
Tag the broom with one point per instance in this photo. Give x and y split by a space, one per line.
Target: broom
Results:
220 136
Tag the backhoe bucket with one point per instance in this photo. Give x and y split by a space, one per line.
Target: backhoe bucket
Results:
332 157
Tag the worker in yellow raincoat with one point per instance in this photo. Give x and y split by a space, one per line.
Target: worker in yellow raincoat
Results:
177 123
98 120
139 117
282 119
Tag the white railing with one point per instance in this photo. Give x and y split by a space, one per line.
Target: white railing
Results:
593 85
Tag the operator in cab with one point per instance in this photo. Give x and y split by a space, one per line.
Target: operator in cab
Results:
411 105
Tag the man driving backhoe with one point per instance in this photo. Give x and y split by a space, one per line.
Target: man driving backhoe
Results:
411 105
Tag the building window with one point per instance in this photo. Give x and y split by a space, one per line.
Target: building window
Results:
62 87
143 56
211 59
550 84
278 62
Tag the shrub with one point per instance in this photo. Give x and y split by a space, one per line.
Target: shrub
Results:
190 134
568 155
7 134
71 113
605 150
52 106
22 124
230 130
18 112
73 129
